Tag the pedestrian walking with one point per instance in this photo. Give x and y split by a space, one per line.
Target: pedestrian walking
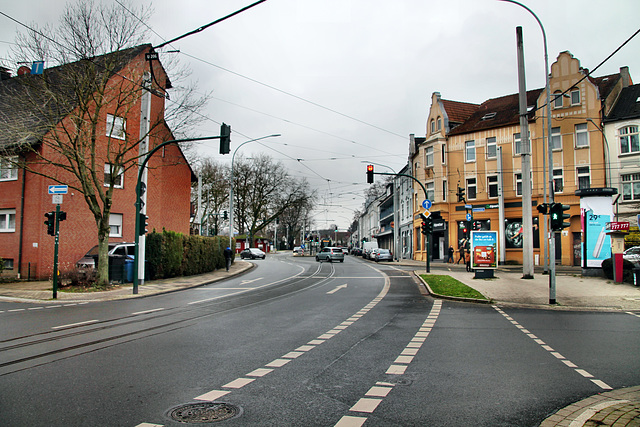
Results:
227 257
461 256
450 259
467 258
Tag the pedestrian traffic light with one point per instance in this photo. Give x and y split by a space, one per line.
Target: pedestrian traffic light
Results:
460 194
543 208
142 224
50 223
225 138
369 174
557 216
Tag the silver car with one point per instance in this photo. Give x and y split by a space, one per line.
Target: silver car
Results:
330 254
382 255
632 254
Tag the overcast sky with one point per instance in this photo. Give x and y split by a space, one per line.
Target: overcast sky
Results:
348 81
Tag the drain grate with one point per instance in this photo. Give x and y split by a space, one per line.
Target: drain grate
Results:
205 412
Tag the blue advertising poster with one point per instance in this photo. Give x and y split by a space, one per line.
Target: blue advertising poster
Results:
484 249
596 212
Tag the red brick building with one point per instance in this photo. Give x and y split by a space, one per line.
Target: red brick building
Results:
31 160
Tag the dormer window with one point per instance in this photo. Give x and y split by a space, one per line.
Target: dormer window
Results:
489 116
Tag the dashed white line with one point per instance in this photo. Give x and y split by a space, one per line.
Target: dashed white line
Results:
75 324
147 311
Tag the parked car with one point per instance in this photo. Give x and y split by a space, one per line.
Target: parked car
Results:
115 249
382 255
330 254
345 251
252 253
632 254
298 251
356 251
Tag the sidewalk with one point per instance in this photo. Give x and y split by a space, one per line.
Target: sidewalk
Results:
42 291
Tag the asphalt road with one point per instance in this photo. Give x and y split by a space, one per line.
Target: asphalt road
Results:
299 343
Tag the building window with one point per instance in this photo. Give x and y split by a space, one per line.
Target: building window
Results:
470 151
582 135
492 185
7 220
439 123
431 190
575 97
556 139
8 168
518 177
558 181
631 186
557 99
444 191
8 263
428 157
629 140
471 188
442 154
517 143
433 126
109 170
492 148
115 225
583 177
116 127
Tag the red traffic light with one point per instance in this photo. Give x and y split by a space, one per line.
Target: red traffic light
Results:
369 168
369 174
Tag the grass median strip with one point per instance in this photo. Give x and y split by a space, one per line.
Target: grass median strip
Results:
448 286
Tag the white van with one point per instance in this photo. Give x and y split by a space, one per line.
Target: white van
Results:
367 247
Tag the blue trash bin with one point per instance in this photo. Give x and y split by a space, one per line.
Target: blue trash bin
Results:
128 268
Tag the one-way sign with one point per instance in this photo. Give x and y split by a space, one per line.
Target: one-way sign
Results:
58 189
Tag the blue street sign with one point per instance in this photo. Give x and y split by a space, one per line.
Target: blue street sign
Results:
58 189
468 217
477 210
427 204
468 206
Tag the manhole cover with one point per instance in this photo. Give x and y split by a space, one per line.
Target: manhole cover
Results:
205 412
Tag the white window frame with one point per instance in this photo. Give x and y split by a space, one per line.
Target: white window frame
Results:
575 97
439 125
556 139
115 225
472 183
443 154
517 143
630 187
428 157
444 190
108 170
626 135
8 168
582 134
582 172
470 151
431 190
7 220
492 142
433 126
558 180
492 182
517 179
116 127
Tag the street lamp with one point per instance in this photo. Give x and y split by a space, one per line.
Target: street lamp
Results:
231 184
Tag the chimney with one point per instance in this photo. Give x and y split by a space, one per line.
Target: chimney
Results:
5 74
626 77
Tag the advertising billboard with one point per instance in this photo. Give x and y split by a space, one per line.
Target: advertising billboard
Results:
484 249
596 213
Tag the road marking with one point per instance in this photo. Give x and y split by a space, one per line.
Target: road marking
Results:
581 419
15 309
337 288
260 372
349 421
239 383
366 405
278 363
147 311
554 353
75 324
149 425
293 355
633 314
244 282
212 395
36 308
377 391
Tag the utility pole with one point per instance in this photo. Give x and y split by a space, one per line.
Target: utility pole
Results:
527 223
143 148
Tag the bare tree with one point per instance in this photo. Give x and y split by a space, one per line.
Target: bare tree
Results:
59 131
215 192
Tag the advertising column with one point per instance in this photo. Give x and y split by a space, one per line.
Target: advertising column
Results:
596 211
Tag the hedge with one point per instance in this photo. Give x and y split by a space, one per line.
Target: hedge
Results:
171 254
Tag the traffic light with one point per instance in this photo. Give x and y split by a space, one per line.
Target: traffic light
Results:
424 228
225 138
460 194
369 174
225 215
50 223
427 225
557 216
142 223
62 216
543 208
477 225
466 227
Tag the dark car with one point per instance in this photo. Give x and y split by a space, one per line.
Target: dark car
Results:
115 250
252 253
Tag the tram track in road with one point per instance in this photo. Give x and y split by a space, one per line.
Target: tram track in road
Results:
28 351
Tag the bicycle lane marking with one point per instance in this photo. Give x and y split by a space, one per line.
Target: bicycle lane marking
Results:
554 353
375 395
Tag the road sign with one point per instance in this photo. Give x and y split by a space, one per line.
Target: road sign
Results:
58 189
468 217
426 213
56 199
427 204
477 210
468 206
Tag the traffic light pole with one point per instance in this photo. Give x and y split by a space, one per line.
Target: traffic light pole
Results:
138 203
55 252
